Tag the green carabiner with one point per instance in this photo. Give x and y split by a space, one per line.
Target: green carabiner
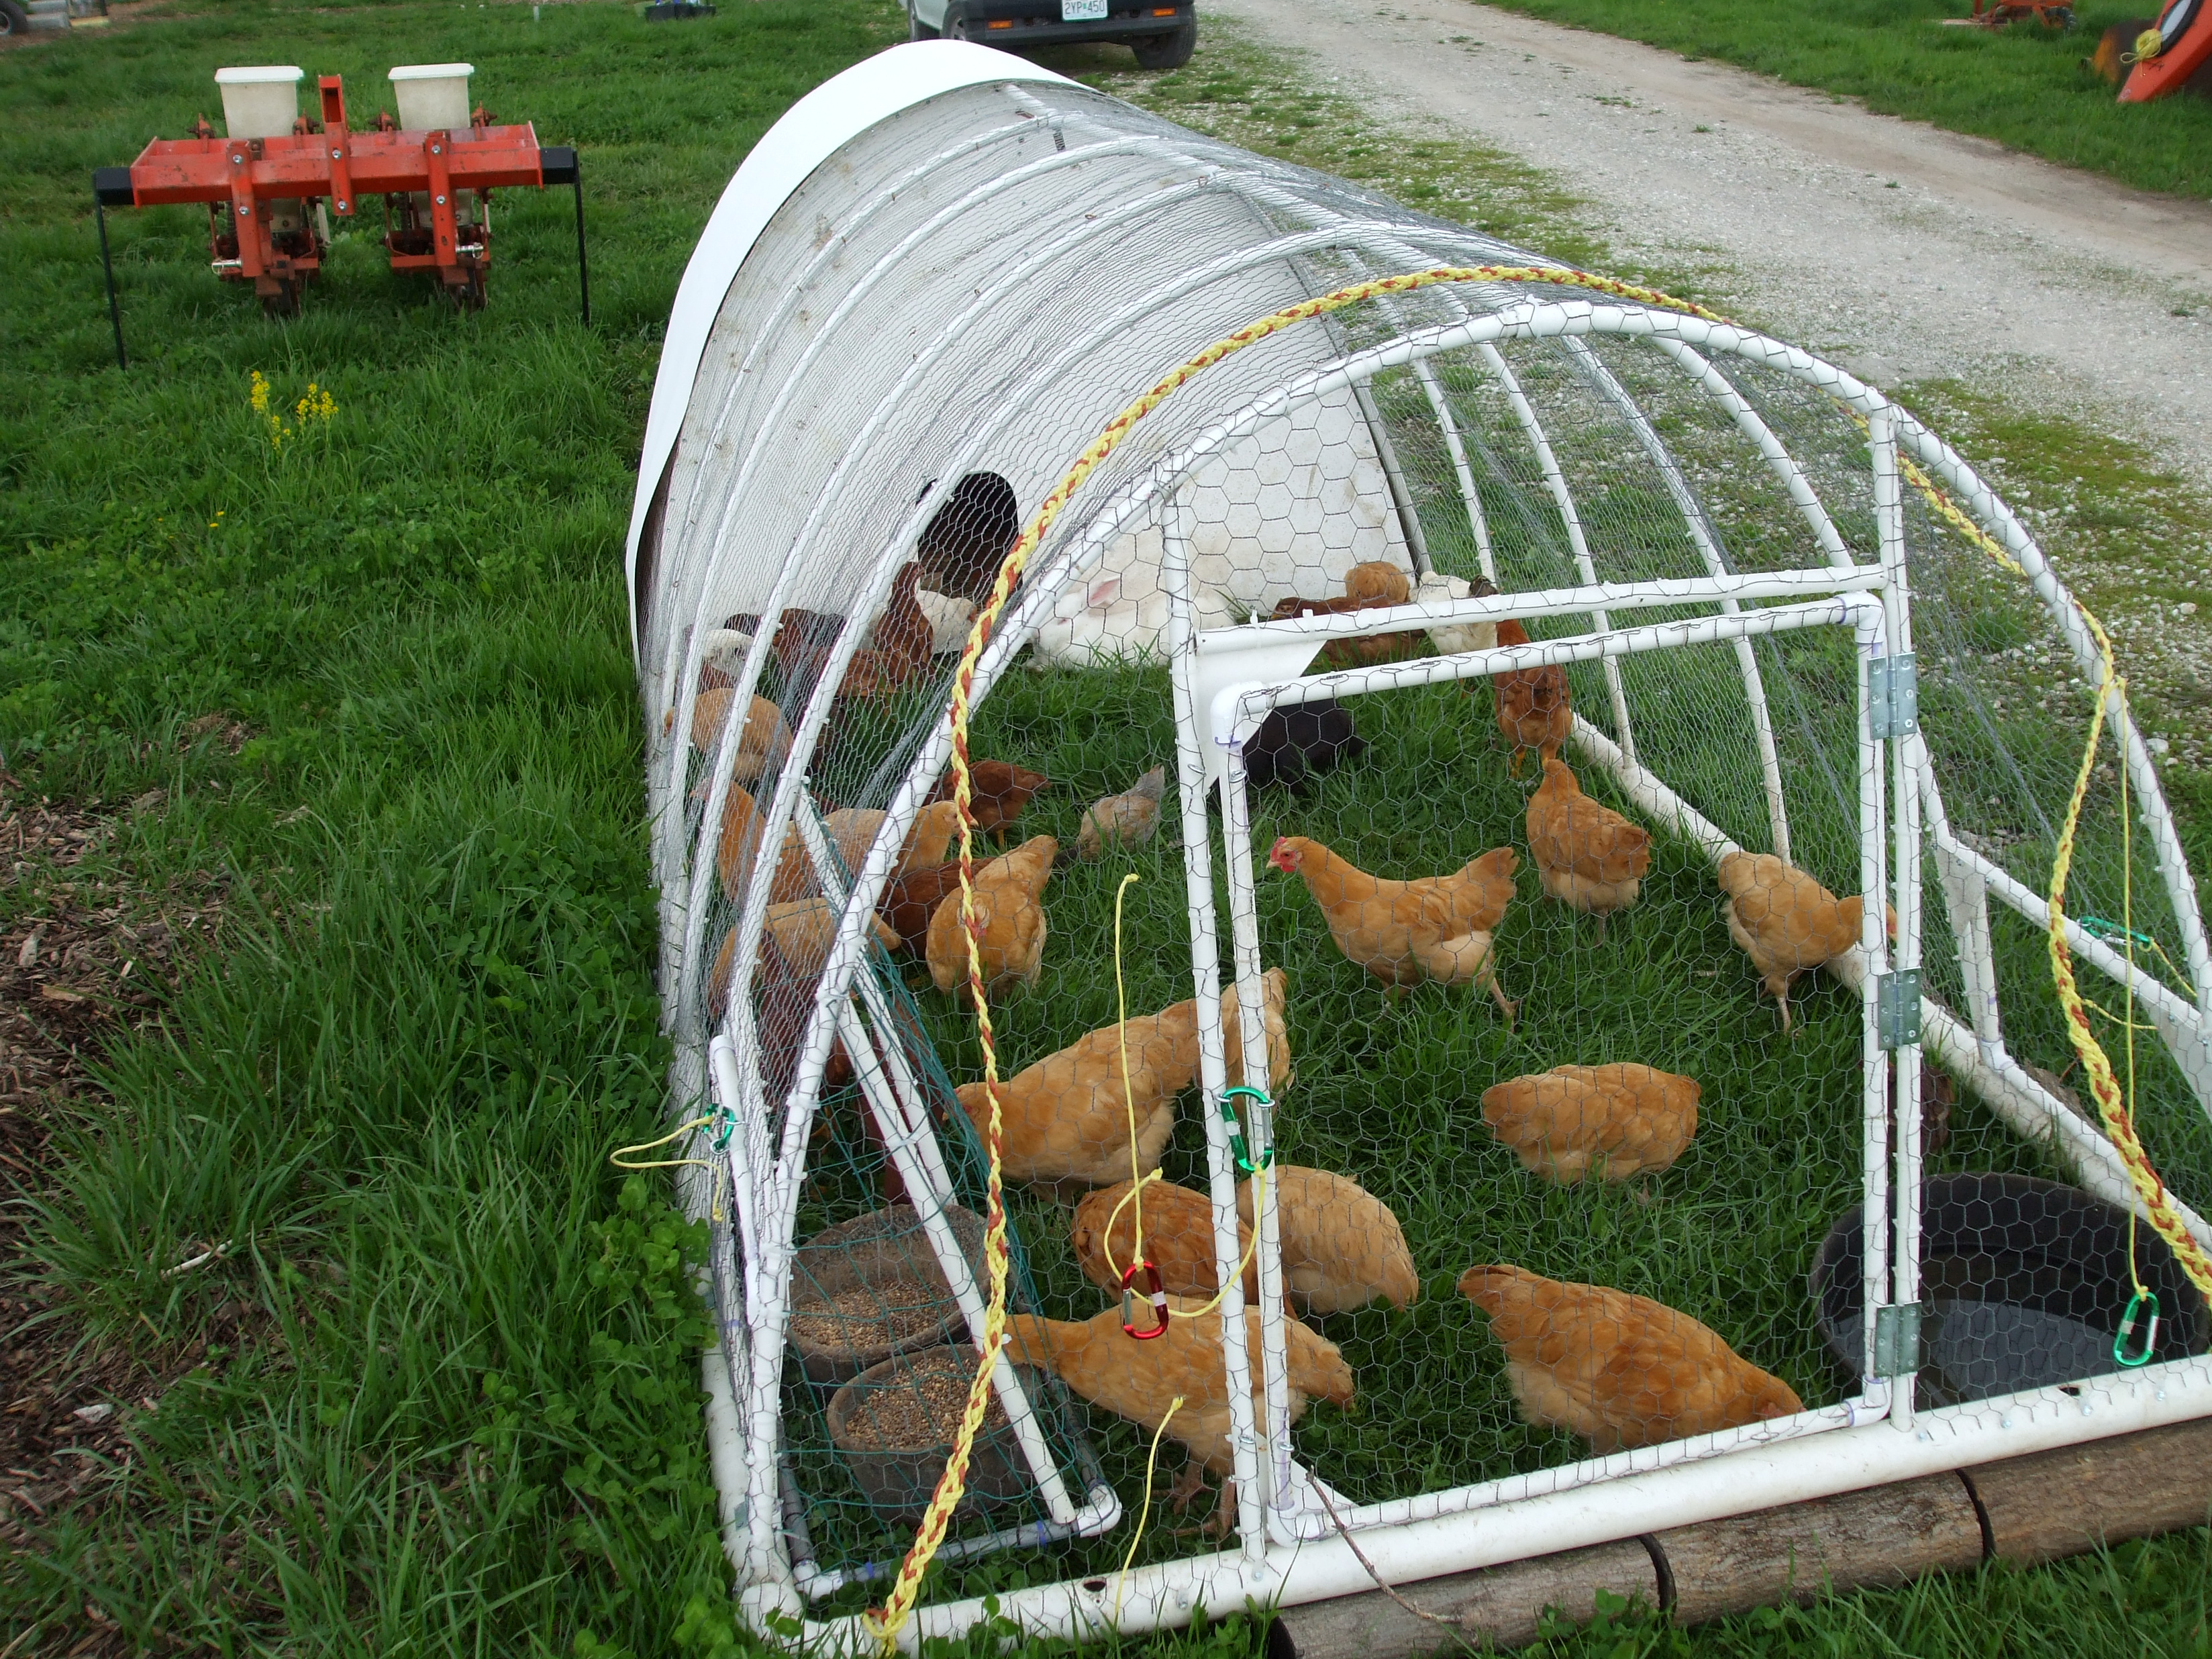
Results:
2098 928
2141 1356
1236 1128
724 1129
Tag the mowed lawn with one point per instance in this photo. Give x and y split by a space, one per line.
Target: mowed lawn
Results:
433 1386
2025 85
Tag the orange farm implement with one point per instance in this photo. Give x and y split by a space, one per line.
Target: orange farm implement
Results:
266 196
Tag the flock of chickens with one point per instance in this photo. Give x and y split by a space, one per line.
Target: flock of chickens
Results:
1617 1369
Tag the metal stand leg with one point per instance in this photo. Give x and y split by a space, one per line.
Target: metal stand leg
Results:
107 264
583 275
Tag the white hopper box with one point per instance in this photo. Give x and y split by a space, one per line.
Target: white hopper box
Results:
933 288
259 102
432 97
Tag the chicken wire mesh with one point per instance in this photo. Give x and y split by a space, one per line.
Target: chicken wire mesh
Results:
1550 1181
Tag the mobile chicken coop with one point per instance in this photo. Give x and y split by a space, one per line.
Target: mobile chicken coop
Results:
979 382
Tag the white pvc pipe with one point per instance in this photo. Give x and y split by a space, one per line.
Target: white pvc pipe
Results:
1213 1061
1905 1064
1169 1595
1238 709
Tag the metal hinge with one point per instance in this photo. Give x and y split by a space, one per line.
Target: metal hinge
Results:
1897 1008
1897 1340
1893 696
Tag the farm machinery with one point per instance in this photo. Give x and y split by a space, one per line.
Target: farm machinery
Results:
272 180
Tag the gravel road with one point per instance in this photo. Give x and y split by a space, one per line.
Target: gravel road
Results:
1902 251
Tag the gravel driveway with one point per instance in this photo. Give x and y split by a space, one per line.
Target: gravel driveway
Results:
1904 253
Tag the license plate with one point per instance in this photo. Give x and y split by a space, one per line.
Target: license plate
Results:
1082 11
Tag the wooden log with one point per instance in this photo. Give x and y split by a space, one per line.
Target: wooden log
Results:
1882 1535
2071 1500
1502 1605
2023 1510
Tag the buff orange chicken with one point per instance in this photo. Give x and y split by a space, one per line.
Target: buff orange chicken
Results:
1587 856
1619 1369
1137 1380
1785 921
1437 927
1613 1121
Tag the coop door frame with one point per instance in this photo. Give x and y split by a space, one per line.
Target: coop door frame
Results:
1227 681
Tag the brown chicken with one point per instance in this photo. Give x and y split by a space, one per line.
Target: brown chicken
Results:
1178 1239
1137 1380
1587 855
1376 583
997 790
1125 820
1611 1120
1065 1120
765 742
1785 921
1064 1123
739 842
1366 586
1534 709
911 898
784 989
1437 927
1010 921
1341 1246
1619 1369
852 830
903 640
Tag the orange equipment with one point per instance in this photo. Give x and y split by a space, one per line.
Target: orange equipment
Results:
2169 57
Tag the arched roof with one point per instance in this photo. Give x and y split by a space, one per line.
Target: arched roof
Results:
812 131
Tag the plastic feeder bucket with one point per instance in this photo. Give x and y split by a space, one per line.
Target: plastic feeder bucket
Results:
2022 1284
885 1255
259 102
432 97
898 1480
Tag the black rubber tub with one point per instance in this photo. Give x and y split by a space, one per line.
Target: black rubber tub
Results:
2023 1283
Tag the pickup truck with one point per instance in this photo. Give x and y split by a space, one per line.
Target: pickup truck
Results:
1162 33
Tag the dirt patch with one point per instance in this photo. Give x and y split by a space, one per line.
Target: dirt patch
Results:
87 958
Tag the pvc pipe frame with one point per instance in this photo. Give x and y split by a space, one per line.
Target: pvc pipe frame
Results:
1527 321
1171 1594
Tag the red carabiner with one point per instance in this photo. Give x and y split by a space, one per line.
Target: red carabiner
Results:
1157 1296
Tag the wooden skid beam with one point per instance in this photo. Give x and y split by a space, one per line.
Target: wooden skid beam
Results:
2023 1510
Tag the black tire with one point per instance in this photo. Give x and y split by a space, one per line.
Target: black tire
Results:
1167 51
14 19
915 29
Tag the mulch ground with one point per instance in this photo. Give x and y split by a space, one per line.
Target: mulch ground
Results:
88 956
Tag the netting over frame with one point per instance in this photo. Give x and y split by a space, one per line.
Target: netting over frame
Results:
920 340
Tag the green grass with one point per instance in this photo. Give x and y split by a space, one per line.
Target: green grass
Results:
2025 86
464 1414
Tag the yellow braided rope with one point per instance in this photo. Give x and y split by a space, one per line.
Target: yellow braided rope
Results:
898 1606
2115 1107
